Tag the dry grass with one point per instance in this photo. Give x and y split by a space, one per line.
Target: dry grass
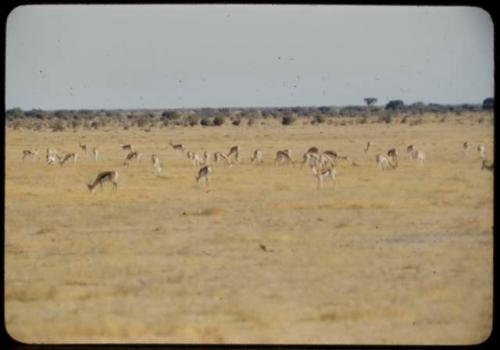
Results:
396 257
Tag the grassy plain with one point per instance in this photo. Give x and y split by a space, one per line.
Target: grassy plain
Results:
396 257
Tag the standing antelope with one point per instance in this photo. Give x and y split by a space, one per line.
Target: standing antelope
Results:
466 147
132 155
419 156
52 156
156 163
324 173
105 176
257 156
30 154
409 151
83 147
193 157
95 153
283 156
176 147
383 162
203 174
393 155
236 151
69 156
481 150
485 166
206 158
367 146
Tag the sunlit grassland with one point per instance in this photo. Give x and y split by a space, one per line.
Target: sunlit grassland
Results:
396 257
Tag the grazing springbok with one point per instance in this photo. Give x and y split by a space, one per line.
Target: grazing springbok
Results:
95 153
218 156
177 147
409 151
331 153
419 156
30 154
384 162
127 147
310 159
236 151
69 156
485 166
466 147
393 154
156 163
203 174
323 174
367 146
52 156
83 147
481 150
283 156
313 149
105 176
132 155
257 157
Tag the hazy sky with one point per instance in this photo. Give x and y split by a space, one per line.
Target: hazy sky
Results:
174 56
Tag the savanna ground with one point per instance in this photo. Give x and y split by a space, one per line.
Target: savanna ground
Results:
395 257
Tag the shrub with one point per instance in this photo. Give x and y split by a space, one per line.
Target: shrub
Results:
58 126
288 120
193 120
251 121
219 120
319 118
236 121
206 122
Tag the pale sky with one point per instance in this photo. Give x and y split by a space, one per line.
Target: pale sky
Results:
191 56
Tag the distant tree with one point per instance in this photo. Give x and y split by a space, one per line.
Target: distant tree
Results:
489 103
319 118
395 105
370 100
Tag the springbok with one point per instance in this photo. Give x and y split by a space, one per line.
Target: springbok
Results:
313 149
367 146
52 156
257 156
466 147
384 162
393 154
419 156
481 150
176 147
203 174
283 156
485 166
83 147
69 156
95 153
206 158
323 174
127 147
236 151
156 163
409 151
331 153
132 155
30 154
194 158
221 156
105 176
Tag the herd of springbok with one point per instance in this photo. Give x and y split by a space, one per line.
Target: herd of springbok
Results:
322 164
